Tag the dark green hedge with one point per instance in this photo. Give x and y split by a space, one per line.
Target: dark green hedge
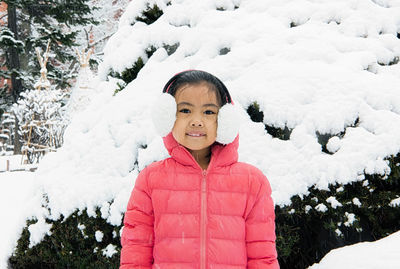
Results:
69 246
305 237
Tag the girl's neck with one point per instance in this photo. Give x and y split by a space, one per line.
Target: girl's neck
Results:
202 156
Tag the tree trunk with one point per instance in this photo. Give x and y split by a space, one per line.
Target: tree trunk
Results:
13 56
17 142
14 65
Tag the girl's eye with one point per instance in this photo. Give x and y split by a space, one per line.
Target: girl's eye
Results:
184 110
209 112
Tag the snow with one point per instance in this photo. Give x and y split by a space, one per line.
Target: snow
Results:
17 204
307 208
350 219
15 162
338 232
82 92
11 40
37 232
81 227
340 189
312 66
321 207
99 236
356 202
383 253
334 203
109 251
395 202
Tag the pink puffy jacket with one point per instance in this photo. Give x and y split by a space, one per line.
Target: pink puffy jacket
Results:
180 216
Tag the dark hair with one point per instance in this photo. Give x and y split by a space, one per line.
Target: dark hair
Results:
196 77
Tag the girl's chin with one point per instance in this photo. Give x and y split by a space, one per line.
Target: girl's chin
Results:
192 147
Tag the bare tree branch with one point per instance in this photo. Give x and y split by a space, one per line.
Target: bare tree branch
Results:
3 16
100 40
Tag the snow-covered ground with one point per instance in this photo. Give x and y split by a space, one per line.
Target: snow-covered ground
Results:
380 254
16 205
313 66
15 162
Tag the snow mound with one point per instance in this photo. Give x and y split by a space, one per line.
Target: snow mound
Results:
315 67
383 253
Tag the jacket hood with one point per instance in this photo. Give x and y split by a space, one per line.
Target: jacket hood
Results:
221 155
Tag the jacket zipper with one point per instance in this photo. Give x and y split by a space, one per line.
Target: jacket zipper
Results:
203 235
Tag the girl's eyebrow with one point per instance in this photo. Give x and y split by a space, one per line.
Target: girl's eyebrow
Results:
189 104
185 103
211 105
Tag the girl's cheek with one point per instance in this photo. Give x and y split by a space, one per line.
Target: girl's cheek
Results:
213 118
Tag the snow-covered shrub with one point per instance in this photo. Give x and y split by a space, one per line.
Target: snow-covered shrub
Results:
128 75
73 243
258 116
148 13
342 215
319 78
41 118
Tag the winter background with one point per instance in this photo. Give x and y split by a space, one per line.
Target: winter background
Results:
312 66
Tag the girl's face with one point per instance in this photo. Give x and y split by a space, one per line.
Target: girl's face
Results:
196 117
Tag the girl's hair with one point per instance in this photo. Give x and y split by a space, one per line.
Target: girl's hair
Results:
197 77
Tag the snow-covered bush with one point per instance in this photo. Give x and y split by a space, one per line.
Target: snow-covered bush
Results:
342 215
41 119
317 78
149 13
72 243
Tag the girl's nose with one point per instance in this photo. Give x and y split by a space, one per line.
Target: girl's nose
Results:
196 123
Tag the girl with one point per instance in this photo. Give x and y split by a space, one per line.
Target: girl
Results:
200 208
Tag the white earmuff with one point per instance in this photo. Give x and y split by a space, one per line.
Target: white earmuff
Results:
164 114
228 126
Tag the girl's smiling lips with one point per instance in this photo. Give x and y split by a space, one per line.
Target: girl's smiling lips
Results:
195 134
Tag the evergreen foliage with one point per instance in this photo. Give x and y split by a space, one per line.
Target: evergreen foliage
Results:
224 51
150 51
395 60
323 139
7 39
257 115
344 214
127 75
34 24
171 48
72 244
150 14
5 98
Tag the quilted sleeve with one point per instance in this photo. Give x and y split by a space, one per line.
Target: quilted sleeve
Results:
137 237
260 230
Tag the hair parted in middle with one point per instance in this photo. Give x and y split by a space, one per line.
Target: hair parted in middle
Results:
195 77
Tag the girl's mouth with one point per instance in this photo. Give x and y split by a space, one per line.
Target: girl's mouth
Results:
195 134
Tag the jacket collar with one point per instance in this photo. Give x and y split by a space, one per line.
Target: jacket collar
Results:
221 155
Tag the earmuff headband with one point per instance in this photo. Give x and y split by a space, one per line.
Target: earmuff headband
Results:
178 75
